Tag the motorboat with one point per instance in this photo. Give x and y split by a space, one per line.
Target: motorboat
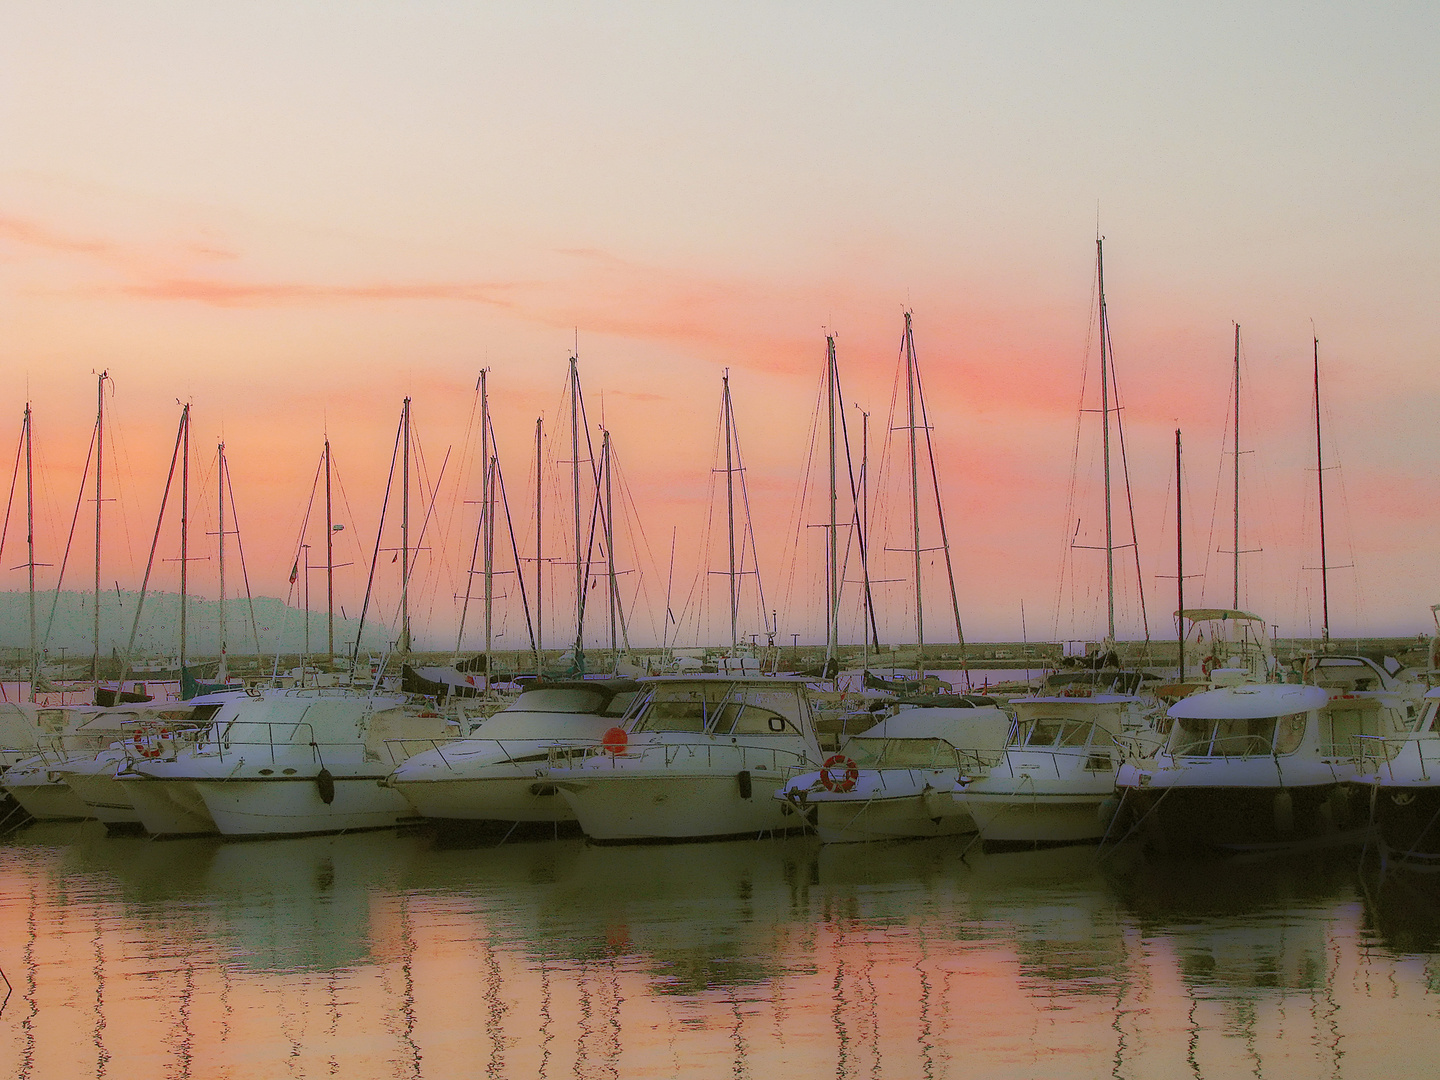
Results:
286 763
1055 780
1402 775
1258 764
699 757
897 779
496 773
70 739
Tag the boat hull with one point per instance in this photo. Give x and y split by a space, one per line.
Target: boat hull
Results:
1179 819
1039 818
105 798
168 808
628 805
45 797
294 806
509 795
904 817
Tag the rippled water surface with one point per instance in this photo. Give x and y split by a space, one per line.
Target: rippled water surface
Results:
384 955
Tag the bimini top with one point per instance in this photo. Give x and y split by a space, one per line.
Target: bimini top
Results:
1210 614
1256 702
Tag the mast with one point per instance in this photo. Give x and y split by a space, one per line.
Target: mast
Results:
404 532
1235 602
1320 475
484 511
864 525
487 510
539 560
1179 560
610 542
730 508
575 487
1105 421
914 493
30 542
184 520
832 618
329 563
223 672
99 502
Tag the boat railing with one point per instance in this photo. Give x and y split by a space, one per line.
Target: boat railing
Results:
697 754
1379 752
239 736
1093 759
403 749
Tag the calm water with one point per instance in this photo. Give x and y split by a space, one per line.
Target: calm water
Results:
384 955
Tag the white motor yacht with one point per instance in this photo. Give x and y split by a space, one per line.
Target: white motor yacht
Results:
70 739
702 758
897 779
496 773
1258 764
289 763
1055 781
1401 774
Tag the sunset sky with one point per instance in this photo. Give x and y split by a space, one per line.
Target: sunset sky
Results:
295 215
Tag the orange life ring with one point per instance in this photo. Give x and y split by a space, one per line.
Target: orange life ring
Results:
838 773
146 747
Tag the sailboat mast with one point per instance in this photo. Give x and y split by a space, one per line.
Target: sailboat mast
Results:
30 547
480 523
329 562
1105 422
220 502
99 502
864 525
1235 602
914 493
575 492
1179 561
832 618
184 521
1320 475
404 532
609 541
487 519
539 560
730 507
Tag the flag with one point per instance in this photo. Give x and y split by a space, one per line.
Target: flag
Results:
295 572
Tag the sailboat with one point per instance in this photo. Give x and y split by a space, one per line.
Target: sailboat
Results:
1056 781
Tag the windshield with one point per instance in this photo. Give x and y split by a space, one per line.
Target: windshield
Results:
1205 737
721 708
901 753
1052 731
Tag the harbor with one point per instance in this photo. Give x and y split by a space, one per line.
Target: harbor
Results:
719 541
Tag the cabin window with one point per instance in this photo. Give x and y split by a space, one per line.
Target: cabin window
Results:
1237 737
901 753
1050 731
758 711
688 707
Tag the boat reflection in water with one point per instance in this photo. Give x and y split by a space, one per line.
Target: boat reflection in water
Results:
384 955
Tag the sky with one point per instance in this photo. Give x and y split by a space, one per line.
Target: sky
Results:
293 216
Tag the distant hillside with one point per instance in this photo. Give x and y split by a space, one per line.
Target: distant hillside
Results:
281 628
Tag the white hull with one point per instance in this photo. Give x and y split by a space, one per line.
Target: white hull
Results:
45 798
103 795
511 794
898 818
632 805
1040 817
293 806
169 807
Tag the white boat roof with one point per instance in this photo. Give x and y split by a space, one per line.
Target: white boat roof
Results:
947 724
1078 699
1253 702
1210 614
721 677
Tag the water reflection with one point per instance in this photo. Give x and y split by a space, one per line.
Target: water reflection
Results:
391 955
